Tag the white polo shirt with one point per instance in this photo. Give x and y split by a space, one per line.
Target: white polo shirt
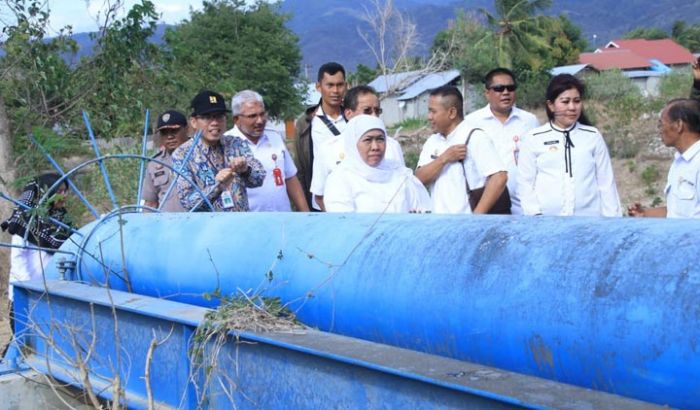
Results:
320 134
449 190
332 153
546 187
507 138
272 152
683 184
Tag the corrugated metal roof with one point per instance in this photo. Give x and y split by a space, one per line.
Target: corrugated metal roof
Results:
642 74
428 82
398 80
568 69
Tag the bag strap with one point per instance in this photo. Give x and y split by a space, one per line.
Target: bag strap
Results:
329 124
464 171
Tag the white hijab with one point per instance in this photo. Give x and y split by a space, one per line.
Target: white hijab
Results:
355 129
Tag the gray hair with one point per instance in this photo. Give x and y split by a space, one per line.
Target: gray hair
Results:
243 97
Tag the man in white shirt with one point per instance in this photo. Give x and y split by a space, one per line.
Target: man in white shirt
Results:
505 123
679 127
444 163
281 184
320 123
358 100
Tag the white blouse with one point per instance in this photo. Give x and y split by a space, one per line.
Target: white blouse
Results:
552 183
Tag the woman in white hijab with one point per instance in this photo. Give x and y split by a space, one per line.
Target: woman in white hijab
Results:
367 182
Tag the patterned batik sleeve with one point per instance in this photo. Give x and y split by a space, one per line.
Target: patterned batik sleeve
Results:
256 176
187 194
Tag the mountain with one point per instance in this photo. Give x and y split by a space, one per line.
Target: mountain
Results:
327 29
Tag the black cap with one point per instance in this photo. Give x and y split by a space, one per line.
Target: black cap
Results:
171 119
207 102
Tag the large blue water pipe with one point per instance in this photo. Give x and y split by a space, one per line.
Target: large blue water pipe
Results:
611 304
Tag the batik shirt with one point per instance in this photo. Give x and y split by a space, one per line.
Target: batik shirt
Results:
205 162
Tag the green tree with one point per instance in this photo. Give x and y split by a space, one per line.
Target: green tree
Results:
122 79
362 75
228 47
648 33
517 32
467 52
687 36
34 78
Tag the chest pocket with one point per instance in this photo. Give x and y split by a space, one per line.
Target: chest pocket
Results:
161 177
685 188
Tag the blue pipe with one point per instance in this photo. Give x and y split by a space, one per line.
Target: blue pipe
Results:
609 304
105 175
144 143
58 168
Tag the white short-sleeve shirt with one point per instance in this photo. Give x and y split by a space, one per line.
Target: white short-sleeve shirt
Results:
449 190
272 152
332 153
547 188
683 184
320 135
507 138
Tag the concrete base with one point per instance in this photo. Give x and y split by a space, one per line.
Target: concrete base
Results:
31 390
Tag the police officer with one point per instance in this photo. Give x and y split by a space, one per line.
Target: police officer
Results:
171 133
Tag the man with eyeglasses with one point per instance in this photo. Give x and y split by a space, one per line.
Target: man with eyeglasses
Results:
281 184
221 165
361 99
171 133
505 124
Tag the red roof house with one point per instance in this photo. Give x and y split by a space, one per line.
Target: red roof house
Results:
611 59
665 50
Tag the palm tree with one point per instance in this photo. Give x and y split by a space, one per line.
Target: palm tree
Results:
517 31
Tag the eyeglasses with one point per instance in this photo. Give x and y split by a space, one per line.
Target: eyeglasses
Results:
500 88
169 131
370 110
219 116
261 115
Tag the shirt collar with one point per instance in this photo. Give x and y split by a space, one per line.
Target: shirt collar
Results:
487 114
236 132
691 151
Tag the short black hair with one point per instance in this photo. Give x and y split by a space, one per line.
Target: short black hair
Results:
686 110
488 78
453 97
331 68
353 95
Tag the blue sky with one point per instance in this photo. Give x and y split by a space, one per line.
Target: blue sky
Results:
82 14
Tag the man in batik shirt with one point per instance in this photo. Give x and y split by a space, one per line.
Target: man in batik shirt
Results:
222 166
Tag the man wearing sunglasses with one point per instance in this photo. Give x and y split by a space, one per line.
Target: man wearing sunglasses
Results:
361 99
281 184
504 123
221 165
171 133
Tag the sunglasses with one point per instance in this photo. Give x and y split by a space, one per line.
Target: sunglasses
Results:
501 88
370 110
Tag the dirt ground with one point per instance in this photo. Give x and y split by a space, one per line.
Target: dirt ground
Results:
4 303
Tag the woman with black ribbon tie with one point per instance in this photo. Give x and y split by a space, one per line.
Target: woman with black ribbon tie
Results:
564 166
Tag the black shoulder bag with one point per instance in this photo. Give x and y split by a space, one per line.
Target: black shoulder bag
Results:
502 205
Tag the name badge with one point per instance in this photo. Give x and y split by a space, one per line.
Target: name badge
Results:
226 200
551 142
